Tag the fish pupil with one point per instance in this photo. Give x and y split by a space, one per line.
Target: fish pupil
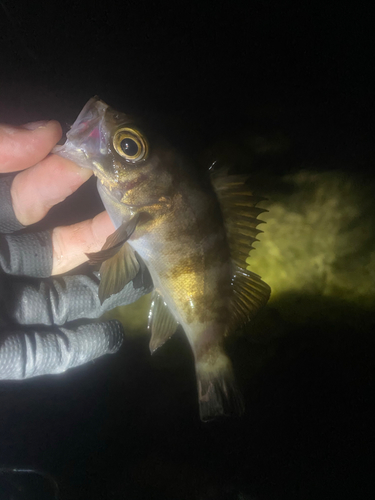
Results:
129 147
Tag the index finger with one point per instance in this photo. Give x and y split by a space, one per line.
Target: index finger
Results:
22 147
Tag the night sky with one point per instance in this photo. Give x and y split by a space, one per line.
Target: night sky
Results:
210 69
205 74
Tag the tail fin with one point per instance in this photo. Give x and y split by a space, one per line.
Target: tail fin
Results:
217 390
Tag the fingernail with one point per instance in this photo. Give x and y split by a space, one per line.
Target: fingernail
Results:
8 129
35 125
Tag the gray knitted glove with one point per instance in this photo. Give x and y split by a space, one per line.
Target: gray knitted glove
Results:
48 325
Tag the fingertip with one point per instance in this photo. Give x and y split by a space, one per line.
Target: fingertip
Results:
53 127
72 243
48 130
35 190
42 124
68 167
24 146
102 227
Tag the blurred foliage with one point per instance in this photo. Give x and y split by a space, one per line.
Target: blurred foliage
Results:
319 238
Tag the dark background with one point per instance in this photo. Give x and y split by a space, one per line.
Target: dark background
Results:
206 74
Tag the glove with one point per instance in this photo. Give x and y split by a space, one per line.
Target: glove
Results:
48 324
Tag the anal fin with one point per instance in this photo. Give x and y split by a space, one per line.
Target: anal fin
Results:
161 321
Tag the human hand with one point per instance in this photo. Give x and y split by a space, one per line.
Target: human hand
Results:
47 324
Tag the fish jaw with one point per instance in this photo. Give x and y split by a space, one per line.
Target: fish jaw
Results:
88 137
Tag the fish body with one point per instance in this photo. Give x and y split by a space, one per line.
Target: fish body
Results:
192 274
191 235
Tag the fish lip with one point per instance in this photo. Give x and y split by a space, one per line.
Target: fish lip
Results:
93 110
89 124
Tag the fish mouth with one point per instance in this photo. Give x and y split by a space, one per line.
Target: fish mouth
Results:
88 137
88 121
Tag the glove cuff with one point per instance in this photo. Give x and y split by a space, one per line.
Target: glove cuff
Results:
27 254
8 220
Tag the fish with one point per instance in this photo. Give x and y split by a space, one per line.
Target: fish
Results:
189 235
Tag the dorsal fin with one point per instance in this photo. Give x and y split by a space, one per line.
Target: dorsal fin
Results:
238 205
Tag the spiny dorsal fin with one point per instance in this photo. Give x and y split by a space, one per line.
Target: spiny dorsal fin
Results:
162 322
238 205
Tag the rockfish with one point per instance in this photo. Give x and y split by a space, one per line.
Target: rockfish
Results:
191 236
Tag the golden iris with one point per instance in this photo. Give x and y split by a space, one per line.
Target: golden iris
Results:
130 144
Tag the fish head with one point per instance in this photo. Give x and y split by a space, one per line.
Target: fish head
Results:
133 172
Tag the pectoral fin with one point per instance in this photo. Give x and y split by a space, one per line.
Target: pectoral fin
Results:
115 241
162 322
143 278
119 264
117 272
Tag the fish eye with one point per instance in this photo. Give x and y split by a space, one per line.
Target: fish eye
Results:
130 144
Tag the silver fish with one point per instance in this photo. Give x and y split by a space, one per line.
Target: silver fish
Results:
192 236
